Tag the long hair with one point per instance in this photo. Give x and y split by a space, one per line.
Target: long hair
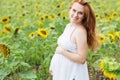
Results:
89 22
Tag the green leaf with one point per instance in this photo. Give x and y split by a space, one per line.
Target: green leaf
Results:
3 73
25 64
14 63
118 76
27 75
113 66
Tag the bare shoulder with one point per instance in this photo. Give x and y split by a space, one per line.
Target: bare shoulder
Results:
68 24
81 36
80 30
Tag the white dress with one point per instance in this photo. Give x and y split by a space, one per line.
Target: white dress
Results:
62 67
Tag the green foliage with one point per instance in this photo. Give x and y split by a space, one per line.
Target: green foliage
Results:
4 72
28 75
118 77
30 53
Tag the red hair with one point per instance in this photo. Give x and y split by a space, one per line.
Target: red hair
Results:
89 22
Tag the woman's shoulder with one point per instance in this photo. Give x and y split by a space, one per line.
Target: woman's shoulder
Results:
81 33
68 25
81 29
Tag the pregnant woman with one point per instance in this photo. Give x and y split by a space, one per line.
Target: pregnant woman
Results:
69 60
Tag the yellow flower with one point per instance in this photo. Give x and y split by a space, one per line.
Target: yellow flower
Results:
59 0
45 16
58 6
119 8
37 6
102 65
17 30
6 29
102 39
39 23
110 18
26 24
62 5
32 35
41 18
5 20
51 17
42 33
117 34
119 3
114 14
110 75
107 15
107 23
5 50
37 14
100 17
112 37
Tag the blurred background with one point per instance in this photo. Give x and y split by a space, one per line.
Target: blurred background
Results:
28 37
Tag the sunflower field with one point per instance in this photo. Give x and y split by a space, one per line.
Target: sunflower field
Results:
28 38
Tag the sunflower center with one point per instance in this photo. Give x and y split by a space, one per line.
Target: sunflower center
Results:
43 32
4 20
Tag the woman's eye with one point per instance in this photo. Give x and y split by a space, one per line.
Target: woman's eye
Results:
80 13
74 10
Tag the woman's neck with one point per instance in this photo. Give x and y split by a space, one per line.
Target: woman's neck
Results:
74 24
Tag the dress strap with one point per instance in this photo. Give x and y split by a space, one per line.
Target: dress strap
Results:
74 28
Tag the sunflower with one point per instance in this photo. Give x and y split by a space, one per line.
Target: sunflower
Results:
118 3
39 23
42 33
37 14
59 0
45 16
63 14
16 31
5 50
100 17
41 18
112 37
6 29
110 17
102 39
32 35
51 17
117 34
37 6
58 14
58 6
5 20
110 75
114 14
119 8
62 6
104 65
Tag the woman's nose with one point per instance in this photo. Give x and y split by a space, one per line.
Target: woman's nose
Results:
75 14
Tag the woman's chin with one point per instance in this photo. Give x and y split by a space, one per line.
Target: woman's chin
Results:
75 22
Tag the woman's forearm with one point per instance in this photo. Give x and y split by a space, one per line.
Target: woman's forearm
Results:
74 57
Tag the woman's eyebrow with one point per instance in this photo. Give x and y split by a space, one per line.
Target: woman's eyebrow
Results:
74 9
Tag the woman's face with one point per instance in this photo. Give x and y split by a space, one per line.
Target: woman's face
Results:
76 13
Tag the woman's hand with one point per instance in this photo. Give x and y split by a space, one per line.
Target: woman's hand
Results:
60 50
